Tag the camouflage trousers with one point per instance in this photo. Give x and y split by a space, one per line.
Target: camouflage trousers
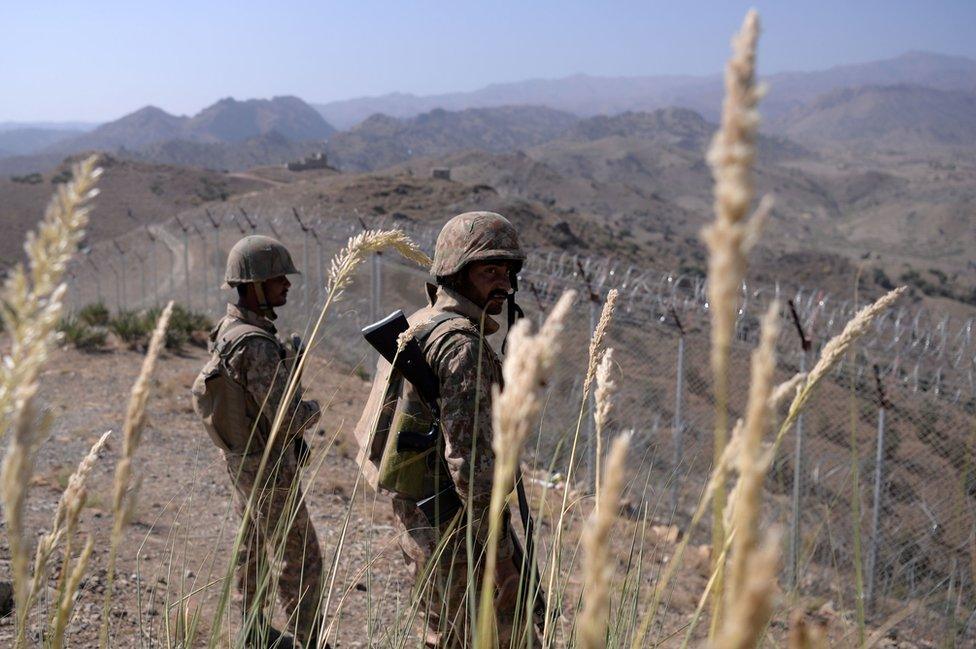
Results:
442 588
279 543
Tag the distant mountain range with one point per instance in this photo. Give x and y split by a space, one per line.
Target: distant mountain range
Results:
587 95
230 134
382 141
917 99
897 116
226 121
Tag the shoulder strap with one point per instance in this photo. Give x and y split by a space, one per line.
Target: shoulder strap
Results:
424 333
235 334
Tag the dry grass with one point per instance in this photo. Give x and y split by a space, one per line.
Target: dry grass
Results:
730 237
124 492
514 413
591 626
31 308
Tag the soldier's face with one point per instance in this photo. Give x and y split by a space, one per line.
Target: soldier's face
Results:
488 284
276 291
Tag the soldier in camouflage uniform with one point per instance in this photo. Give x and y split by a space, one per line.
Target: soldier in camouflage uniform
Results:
252 362
476 258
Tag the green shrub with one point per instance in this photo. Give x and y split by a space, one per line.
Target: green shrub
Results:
80 334
182 324
95 314
29 179
130 326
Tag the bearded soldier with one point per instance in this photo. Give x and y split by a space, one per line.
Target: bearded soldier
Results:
440 489
238 393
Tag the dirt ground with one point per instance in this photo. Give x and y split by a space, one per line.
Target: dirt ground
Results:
179 538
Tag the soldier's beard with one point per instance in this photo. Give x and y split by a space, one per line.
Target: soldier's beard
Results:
495 302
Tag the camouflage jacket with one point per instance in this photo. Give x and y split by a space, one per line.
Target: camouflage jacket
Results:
262 368
467 368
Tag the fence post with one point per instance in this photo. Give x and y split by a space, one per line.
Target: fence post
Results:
305 282
124 304
678 426
155 265
215 223
98 276
376 286
186 261
796 527
878 486
205 280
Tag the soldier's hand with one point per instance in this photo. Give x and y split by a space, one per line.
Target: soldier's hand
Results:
302 451
506 584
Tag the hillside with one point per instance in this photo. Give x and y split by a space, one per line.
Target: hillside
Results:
132 195
900 116
228 121
382 141
27 140
269 149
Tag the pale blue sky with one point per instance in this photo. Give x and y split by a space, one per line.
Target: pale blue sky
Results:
99 59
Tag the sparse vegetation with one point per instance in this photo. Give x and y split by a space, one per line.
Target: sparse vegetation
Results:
608 601
28 179
81 334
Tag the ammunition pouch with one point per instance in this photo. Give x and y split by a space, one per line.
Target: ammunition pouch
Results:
441 507
221 403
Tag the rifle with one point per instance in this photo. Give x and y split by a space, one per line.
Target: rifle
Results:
412 365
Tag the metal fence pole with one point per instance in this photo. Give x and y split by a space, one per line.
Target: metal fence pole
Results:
305 282
376 286
796 522
591 404
124 306
98 276
878 486
678 426
186 261
155 265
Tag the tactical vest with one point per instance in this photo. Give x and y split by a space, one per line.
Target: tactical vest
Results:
395 407
232 419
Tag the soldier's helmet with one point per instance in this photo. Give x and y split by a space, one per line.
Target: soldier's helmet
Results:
475 236
257 258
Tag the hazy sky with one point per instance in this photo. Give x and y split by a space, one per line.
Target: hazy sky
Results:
97 60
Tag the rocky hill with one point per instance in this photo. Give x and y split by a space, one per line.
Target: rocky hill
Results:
901 116
236 121
272 148
132 194
382 141
227 121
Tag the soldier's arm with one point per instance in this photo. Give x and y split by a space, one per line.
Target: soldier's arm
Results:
466 427
265 377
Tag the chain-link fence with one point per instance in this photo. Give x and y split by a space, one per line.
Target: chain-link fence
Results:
882 458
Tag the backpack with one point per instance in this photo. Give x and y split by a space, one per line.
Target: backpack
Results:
219 400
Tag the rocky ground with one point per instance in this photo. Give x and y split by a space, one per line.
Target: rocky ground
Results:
178 541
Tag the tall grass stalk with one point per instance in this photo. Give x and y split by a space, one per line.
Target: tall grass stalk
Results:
748 596
591 627
124 492
605 387
30 309
832 353
64 525
593 360
525 373
730 237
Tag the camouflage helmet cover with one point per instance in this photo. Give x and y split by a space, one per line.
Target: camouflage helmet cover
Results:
257 258
475 236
